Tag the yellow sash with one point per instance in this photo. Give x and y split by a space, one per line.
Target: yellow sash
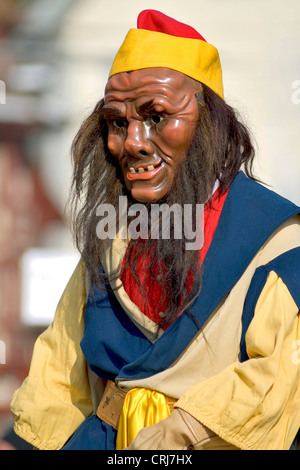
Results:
142 407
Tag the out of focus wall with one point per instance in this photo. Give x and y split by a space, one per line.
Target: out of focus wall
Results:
54 62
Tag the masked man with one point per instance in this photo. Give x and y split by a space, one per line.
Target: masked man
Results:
159 343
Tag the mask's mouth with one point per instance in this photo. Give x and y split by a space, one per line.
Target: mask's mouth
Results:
143 171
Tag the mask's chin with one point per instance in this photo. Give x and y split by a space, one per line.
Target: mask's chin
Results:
148 196
148 192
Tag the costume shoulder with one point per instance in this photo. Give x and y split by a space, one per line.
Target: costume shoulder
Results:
251 214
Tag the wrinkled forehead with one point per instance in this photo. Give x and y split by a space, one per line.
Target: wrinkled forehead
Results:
150 81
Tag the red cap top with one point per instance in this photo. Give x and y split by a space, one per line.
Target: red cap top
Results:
161 41
154 20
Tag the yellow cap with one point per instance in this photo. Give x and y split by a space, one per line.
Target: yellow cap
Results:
196 58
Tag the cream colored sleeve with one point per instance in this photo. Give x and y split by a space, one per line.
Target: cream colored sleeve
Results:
55 397
255 404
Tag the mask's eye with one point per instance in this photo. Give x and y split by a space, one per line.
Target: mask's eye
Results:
119 123
156 118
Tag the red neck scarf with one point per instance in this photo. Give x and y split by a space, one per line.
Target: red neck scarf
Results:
156 301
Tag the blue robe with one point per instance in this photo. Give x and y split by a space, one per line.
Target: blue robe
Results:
115 348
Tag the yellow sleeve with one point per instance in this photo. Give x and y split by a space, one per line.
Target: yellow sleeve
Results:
255 404
55 397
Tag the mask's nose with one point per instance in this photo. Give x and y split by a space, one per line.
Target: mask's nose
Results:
137 143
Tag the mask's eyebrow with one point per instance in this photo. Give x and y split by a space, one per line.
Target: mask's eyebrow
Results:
146 108
110 113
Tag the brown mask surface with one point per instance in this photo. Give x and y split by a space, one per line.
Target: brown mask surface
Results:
151 116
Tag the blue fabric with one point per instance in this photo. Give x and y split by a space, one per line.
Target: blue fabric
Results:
250 215
111 339
257 284
287 266
93 434
114 346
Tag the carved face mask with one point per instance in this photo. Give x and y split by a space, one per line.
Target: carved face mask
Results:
151 116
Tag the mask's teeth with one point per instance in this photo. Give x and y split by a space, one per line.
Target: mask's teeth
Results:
141 169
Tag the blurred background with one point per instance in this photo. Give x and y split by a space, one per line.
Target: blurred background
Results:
54 61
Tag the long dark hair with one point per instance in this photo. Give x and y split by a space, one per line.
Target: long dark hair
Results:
221 147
